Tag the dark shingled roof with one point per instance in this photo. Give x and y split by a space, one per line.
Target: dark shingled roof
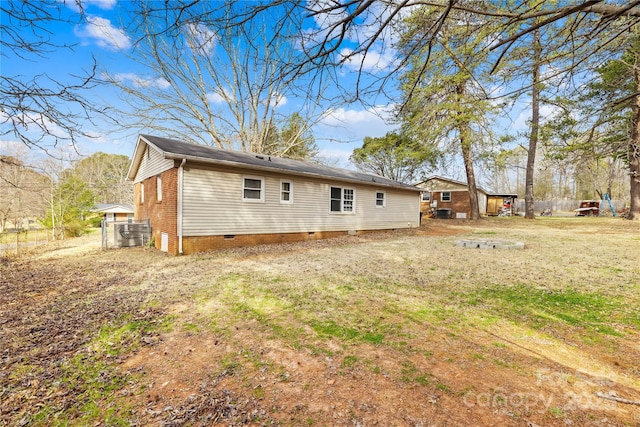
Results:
173 149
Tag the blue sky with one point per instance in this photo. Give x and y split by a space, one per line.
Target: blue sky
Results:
103 36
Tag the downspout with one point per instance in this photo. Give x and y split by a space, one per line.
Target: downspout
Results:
180 189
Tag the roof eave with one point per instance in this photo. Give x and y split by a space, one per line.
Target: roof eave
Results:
143 142
137 156
177 156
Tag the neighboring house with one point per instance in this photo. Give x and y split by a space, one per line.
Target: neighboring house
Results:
448 198
198 198
113 212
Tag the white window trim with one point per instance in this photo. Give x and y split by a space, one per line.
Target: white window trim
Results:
342 200
290 201
111 216
353 200
262 189
159 188
142 192
384 199
442 199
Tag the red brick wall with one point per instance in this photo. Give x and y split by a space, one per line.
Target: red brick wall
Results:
205 243
425 206
459 202
196 244
162 214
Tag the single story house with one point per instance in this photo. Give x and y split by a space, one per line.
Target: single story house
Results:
199 198
448 198
114 212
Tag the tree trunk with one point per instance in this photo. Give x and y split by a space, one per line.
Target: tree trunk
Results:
634 155
535 124
465 144
471 177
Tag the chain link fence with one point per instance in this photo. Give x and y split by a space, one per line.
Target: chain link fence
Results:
13 241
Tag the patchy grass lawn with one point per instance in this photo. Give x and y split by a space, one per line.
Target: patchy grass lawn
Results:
400 328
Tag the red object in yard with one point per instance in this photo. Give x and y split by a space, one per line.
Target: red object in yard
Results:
588 208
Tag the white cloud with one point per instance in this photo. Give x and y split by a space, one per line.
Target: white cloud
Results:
336 157
104 34
328 17
278 100
371 23
220 96
35 123
202 38
141 82
12 148
106 144
353 125
376 21
521 122
215 98
84 4
371 61
102 4
325 13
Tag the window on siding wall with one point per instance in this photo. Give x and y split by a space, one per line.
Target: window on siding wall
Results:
159 187
348 196
342 199
111 216
286 192
445 196
253 189
380 200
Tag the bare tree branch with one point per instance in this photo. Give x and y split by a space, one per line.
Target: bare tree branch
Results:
39 110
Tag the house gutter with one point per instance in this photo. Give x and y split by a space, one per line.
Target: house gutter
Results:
180 189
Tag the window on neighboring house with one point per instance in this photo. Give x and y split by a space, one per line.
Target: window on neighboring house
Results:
142 192
342 199
445 196
253 189
111 217
129 217
426 196
159 188
380 199
286 192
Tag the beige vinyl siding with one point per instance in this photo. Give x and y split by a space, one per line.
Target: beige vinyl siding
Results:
213 205
152 164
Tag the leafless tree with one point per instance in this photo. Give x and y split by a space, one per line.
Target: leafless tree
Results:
356 32
23 191
211 83
589 32
106 175
39 110
361 35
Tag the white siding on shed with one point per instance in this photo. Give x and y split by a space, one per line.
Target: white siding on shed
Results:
152 164
482 203
213 206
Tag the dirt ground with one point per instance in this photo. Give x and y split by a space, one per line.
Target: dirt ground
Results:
215 366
